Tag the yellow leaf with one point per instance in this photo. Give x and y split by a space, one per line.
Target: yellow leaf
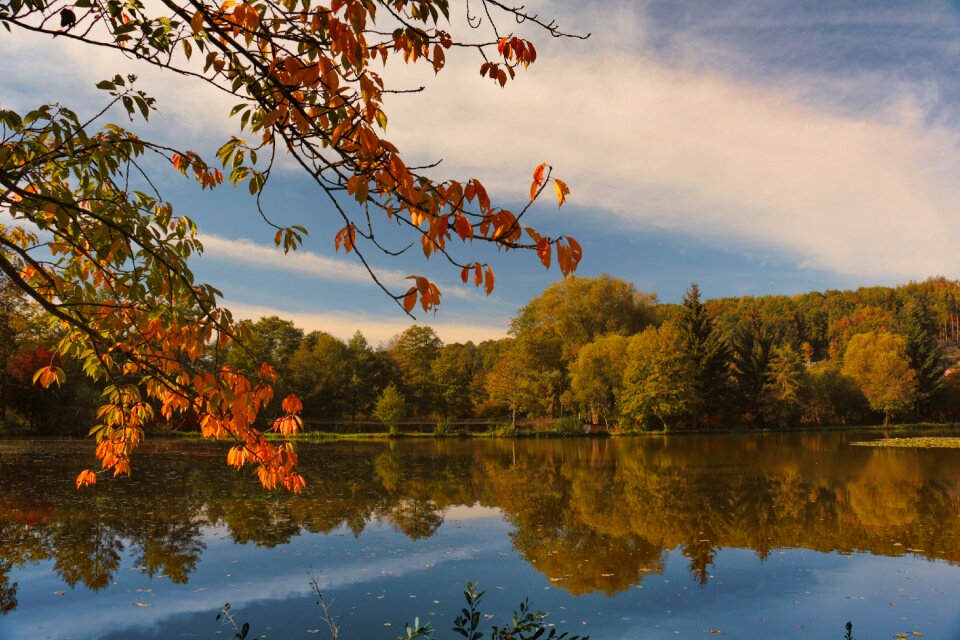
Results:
562 191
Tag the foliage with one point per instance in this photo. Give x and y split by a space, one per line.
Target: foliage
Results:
596 377
552 328
835 399
452 375
320 375
924 353
658 380
508 382
785 394
391 408
414 351
527 376
707 349
752 345
524 625
880 365
113 266
568 425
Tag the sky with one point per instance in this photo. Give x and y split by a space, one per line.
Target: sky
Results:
755 148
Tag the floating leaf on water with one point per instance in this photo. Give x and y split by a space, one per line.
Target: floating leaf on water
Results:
140 604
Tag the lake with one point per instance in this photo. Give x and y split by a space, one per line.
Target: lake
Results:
751 536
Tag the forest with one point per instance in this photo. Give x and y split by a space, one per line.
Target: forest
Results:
587 351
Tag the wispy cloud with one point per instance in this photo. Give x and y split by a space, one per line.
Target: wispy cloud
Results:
247 253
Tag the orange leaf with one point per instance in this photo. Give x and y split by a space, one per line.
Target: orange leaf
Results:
46 376
537 180
543 251
267 372
294 482
287 425
489 281
562 191
292 404
196 23
465 274
86 478
410 299
463 227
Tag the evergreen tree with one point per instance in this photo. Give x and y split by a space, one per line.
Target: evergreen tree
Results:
751 347
704 346
924 354
786 392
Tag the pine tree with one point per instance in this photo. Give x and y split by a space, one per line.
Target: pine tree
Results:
924 354
705 347
751 347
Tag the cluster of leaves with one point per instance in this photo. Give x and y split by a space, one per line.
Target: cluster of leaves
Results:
116 277
115 280
526 624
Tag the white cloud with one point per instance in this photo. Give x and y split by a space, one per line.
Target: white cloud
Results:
300 261
869 196
376 329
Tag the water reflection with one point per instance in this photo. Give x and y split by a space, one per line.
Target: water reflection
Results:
591 515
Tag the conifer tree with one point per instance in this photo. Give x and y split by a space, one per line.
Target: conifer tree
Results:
705 347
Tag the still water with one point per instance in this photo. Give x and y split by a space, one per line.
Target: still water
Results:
775 536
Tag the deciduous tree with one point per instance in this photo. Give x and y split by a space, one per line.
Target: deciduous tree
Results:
596 377
879 362
659 379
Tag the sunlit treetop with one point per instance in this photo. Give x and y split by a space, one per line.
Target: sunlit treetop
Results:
99 248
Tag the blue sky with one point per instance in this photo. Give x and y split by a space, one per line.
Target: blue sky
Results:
751 147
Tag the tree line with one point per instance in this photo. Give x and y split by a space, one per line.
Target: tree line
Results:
587 350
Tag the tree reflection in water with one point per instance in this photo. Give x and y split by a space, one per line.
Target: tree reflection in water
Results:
591 515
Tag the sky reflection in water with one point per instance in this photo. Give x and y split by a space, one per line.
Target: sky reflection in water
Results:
775 536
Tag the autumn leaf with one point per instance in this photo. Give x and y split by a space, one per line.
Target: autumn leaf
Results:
196 23
562 191
46 376
292 404
537 180
410 299
86 478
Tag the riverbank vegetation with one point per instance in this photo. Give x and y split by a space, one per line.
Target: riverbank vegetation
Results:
587 351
